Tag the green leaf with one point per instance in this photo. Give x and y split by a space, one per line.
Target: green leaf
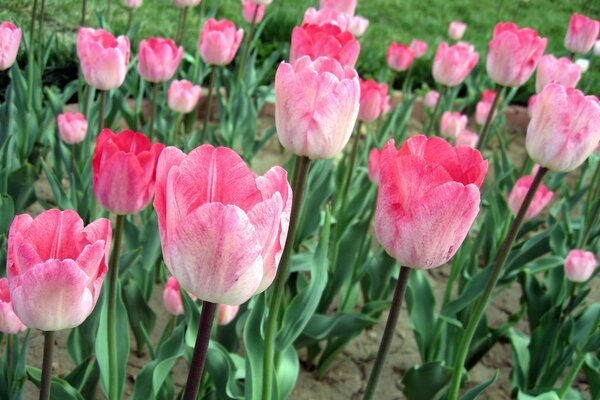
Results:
421 308
427 381
477 390
59 388
254 347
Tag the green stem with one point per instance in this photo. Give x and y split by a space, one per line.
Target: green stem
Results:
484 299
30 57
9 358
47 365
199 358
72 158
181 25
101 113
41 36
130 19
435 110
490 117
83 12
86 101
112 309
407 86
248 44
388 333
298 184
153 108
177 129
108 7
211 85
348 180
593 194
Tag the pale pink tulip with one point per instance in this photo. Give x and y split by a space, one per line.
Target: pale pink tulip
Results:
531 104
583 63
564 128
158 59
540 200
419 47
456 30
467 138
452 64
326 16
56 268
252 12
219 41
172 297
226 314
358 25
582 34
183 96
222 228
324 41
428 199
263 2
10 39
72 127
9 322
347 7
400 56
374 155
132 3
452 124
316 106
561 70
580 265
431 98
484 106
374 100
597 48
186 3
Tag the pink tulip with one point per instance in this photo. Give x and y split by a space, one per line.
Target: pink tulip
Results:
219 41
400 56
222 228
327 16
428 199
513 54
456 30
72 127
324 41
452 124
124 170
252 12
158 59
374 156
10 39
347 7
564 128
132 3
226 314
583 63
484 106
531 104
104 59
9 322
580 265
374 100
186 3
597 48
431 98
183 96
358 25
467 138
263 2
582 34
172 297
452 64
561 70
316 105
540 200
419 47
56 267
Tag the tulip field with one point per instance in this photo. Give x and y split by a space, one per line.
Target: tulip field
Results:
266 199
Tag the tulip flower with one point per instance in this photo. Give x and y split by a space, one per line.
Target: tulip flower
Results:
530 104
484 106
452 64
358 25
132 3
374 156
418 47
172 297
219 41
226 314
347 7
467 138
252 12
452 124
72 127
9 322
561 70
263 2
400 57
580 265
582 34
326 16
456 30
431 98
583 63
597 48
10 39
183 96
513 54
186 3
124 171
158 59
374 100
324 41
564 128
540 200
316 106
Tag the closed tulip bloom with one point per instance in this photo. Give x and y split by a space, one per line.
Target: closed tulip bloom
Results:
56 267
482 110
226 314
452 124
419 47
559 70
531 104
456 30
186 3
132 3
347 7
72 127
400 57
582 34
324 41
467 138
172 297
452 64
10 324
580 265
431 98
183 96
374 100
564 128
219 41
513 54
158 59
252 12
427 200
10 39
583 63
358 25
540 200
374 155
124 170
327 16
222 228
316 106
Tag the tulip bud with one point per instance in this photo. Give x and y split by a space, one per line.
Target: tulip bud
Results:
540 200
484 107
226 314
452 64
327 16
219 41
158 59
186 3
374 155
10 39
358 25
132 3
418 47
431 98
452 124
467 138
400 57
347 7
374 100
72 127
324 41
580 265
252 12
183 96
581 34
456 30
583 63
561 70
172 297
9 322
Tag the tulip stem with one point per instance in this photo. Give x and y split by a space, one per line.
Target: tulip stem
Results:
47 365
348 180
108 7
298 185
483 300
590 216
130 19
435 111
177 129
211 85
101 113
83 12
388 333
30 57
72 158
199 358
153 109
9 358
112 309
248 44
490 117
41 36
181 25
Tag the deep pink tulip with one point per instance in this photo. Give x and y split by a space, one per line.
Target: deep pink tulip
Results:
540 200
252 12
347 7
186 3
226 314
158 59
172 297
124 170
72 127
10 39
419 47
564 128
399 56
104 59
513 54
580 265
9 322
326 16
324 41
183 96
467 138
374 100
561 70
452 124
374 155
428 199
582 34
358 25
219 41
452 64
484 106
132 3
56 267
456 30
222 228
431 98
316 106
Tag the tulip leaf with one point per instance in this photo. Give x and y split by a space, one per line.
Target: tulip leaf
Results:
477 390
421 308
225 370
254 343
427 381
59 388
591 368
